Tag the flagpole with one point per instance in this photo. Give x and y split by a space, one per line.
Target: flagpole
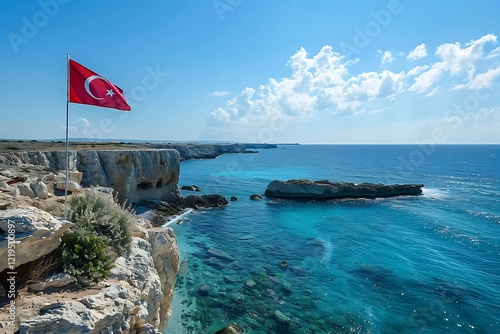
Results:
67 144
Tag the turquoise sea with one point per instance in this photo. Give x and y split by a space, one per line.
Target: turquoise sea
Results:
419 264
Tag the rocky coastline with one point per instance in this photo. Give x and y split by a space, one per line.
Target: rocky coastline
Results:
327 190
136 296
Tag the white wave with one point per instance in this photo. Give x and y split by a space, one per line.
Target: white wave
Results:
178 218
435 193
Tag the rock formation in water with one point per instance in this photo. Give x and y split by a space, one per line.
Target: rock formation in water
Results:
306 189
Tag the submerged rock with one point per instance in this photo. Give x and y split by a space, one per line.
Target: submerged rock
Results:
306 189
250 283
231 329
190 188
256 197
281 317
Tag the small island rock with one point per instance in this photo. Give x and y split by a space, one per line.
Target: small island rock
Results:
306 189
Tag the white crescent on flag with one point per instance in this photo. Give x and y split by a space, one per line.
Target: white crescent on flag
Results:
89 81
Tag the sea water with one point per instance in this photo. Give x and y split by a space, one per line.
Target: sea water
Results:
416 264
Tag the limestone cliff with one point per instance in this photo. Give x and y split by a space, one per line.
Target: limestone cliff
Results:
134 174
134 299
210 151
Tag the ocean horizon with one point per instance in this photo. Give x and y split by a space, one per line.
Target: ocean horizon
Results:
409 264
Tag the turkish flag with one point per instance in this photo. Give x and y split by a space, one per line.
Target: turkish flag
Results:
88 87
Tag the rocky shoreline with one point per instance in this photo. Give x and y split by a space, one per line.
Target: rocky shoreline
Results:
327 190
137 295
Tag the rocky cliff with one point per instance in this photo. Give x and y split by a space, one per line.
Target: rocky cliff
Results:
134 174
306 189
134 299
210 151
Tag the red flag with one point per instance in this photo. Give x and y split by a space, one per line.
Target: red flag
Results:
88 87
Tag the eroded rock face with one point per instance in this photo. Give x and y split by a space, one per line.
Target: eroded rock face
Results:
55 159
135 175
306 189
134 299
37 233
165 254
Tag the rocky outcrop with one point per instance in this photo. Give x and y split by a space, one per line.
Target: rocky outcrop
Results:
306 189
134 175
50 159
36 232
134 299
210 151
182 203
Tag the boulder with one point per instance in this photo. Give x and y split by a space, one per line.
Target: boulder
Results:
37 233
25 190
4 187
54 281
189 188
72 186
62 317
40 190
75 176
234 199
306 189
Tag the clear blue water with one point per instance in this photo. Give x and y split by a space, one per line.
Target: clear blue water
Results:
422 264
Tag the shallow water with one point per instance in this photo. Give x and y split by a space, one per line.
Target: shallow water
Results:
426 264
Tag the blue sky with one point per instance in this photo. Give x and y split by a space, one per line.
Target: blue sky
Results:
308 71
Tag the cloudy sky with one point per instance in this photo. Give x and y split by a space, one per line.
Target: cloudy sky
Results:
308 71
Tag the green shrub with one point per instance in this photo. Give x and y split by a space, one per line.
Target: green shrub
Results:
99 213
85 257
102 233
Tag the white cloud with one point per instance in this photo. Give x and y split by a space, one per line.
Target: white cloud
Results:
218 93
322 85
83 121
483 80
317 84
386 57
455 61
417 53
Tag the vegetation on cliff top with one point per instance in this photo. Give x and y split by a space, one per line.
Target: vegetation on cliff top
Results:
102 233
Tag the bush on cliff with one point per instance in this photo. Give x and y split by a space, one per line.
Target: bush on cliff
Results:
85 257
99 213
102 233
